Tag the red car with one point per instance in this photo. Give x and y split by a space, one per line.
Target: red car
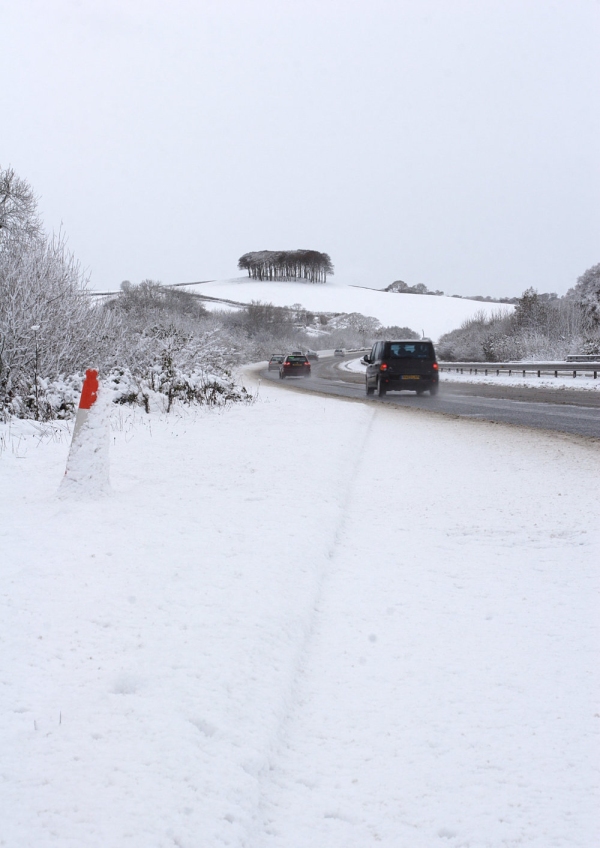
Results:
294 365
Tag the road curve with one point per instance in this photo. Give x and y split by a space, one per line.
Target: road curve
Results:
562 411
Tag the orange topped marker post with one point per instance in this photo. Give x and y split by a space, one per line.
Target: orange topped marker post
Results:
89 395
87 471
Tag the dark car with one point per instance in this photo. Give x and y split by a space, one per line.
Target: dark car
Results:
275 361
294 365
400 365
339 352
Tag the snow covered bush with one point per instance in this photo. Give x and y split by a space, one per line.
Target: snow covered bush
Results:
48 326
44 399
587 293
543 326
159 390
59 398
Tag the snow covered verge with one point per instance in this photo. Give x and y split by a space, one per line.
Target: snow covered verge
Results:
300 622
583 382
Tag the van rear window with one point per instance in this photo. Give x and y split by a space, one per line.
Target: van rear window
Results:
409 350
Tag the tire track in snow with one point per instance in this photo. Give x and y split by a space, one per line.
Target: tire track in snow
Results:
257 833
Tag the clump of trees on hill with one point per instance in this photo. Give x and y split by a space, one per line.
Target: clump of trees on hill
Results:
309 265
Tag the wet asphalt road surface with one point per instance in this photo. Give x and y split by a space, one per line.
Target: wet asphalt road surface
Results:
559 410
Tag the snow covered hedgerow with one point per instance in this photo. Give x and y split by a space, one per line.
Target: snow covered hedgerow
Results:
49 400
160 389
543 326
43 399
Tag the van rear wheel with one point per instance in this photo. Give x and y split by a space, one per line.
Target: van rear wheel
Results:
381 389
433 390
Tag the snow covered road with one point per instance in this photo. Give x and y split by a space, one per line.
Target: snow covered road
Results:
302 622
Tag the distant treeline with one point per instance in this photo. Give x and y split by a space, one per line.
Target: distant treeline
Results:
287 265
420 288
542 326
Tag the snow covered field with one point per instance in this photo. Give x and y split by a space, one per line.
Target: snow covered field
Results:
431 314
301 622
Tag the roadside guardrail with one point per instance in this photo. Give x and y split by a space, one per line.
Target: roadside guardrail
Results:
524 368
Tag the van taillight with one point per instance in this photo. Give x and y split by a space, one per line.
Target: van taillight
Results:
435 366
383 366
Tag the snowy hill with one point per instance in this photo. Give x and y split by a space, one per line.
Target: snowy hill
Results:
432 315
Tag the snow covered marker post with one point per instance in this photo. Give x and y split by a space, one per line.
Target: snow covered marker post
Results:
87 464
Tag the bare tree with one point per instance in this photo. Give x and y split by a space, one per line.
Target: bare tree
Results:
48 325
18 208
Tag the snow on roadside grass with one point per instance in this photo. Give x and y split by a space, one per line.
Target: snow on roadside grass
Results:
581 383
302 621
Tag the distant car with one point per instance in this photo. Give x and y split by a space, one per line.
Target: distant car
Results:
339 352
312 355
403 364
294 365
275 361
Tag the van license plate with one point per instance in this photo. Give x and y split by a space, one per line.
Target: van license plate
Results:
410 377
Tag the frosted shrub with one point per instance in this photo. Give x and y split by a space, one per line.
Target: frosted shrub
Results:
44 399
160 391
543 326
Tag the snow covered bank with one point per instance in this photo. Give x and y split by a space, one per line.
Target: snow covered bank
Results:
583 382
304 621
434 315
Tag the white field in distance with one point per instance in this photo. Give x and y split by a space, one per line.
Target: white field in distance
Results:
429 314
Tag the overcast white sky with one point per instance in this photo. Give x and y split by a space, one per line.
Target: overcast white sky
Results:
448 142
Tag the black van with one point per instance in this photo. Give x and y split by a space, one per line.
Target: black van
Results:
400 365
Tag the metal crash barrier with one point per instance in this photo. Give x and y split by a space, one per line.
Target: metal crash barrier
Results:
577 367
